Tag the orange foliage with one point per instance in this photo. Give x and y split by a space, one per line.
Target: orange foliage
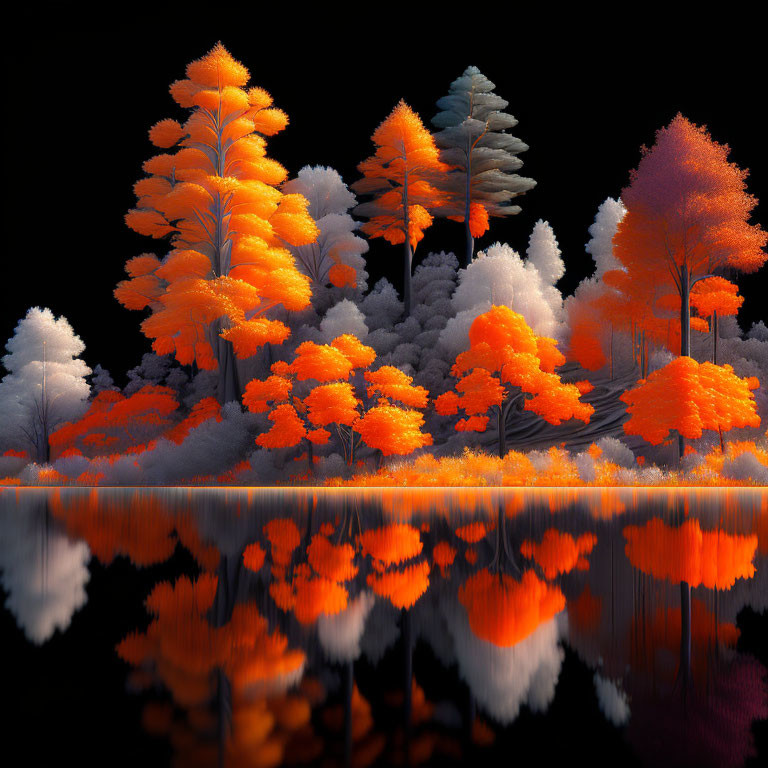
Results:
217 197
504 611
716 294
559 552
443 555
401 587
253 556
283 536
689 397
686 553
399 176
393 430
504 350
332 561
391 544
114 418
687 215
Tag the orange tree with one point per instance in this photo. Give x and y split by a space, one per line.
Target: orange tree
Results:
687 216
216 197
114 422
333 401
713 298
689 397
400 176
507 363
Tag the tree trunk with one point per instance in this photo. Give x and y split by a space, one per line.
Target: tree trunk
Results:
685 634
407 262
715 331
685 331
611 351
502 433
407 252
469 251
229 380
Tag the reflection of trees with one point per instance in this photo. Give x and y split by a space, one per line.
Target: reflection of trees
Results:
347 589
44 571
720 693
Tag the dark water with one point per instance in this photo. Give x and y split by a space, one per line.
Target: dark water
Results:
199 627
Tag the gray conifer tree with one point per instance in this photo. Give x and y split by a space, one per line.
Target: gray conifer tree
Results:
474 139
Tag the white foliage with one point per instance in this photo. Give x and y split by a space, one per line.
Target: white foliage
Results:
344 317
746 466
329 202
340 634
46 384
504 679
600 246
544 253
613 702
43 571
615 451
210 448
499 276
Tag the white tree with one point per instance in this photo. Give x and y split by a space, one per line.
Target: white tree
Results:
329 203
600 246
544 254
499 276
46 383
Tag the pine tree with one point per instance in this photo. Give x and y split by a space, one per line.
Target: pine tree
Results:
217 199
473 140
401 177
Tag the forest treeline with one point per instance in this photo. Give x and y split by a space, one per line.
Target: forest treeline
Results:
274 361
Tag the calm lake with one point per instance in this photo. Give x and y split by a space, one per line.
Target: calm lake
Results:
267 627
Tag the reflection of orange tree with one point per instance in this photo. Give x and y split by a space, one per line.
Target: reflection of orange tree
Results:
691 557
141 526
334 402
505 351
242 660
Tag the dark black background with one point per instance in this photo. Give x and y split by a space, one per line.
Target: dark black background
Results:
588 87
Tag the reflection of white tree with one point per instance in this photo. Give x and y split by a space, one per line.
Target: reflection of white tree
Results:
43 571
340 634
503 679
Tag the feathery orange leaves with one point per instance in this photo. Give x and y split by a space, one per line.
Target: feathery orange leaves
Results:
393 430
714 559
559 552
504 350
216 196
504 611
689 397
401 587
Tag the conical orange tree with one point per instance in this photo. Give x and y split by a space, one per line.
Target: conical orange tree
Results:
400 176
505 351
217 198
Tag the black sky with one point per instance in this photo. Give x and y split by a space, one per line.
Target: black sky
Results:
588 88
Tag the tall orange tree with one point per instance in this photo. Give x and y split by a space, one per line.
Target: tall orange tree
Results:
401 177
216 198
505 364
687 217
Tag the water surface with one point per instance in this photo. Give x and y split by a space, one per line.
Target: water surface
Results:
254 627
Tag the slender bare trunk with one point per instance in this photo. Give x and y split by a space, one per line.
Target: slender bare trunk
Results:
685 330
